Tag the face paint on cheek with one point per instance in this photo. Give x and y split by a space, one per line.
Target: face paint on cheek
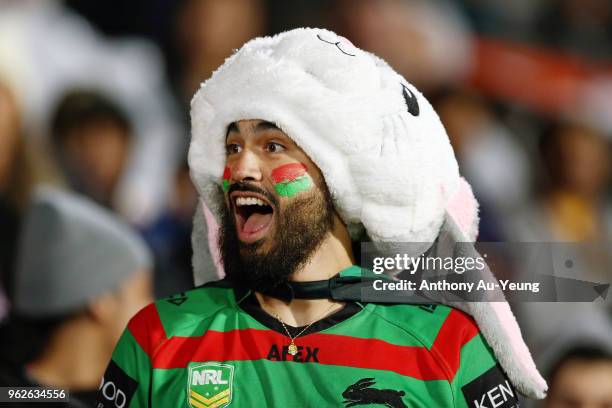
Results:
291 179
227 174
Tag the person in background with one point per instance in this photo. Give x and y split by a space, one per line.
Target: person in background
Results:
578 363
92 140
412 36
482 141
46 50
577 161
574 206
204 37
80 275
11 182
576 171
574 213
21 168
91 136
582 379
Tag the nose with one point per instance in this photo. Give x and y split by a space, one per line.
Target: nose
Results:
246 167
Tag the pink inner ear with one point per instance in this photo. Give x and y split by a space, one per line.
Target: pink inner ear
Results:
463 209
213 238
346 40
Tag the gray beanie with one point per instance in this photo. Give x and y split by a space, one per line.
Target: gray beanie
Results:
71 250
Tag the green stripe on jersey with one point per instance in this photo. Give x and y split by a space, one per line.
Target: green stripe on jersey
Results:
134 363
302 385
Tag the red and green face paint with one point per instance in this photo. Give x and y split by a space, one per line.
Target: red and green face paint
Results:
291 179
227 174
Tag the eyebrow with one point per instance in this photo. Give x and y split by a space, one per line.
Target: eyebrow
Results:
232 127
265 125
261 126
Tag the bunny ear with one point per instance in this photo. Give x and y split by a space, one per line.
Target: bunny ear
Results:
495 320
213 238
365 382
463 209
206 260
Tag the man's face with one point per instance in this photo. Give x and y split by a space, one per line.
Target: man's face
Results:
278 206
98 152
581 384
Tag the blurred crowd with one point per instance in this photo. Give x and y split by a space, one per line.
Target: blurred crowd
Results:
94 100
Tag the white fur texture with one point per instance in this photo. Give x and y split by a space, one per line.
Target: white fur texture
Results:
388 170
385 168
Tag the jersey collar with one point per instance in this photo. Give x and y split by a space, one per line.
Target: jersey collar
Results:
345 286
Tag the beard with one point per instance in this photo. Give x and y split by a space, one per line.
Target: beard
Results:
298 231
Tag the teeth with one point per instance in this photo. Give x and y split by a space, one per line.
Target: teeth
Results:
240 201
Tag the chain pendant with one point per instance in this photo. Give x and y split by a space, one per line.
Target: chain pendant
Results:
292 349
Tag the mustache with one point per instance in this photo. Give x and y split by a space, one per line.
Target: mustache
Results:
249 187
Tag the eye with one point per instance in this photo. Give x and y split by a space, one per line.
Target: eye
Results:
233 148
273 147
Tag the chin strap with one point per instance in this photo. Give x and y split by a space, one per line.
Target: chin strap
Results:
346 289
340 288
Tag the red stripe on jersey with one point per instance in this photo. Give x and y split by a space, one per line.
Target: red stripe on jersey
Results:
456 331
147 329
252 344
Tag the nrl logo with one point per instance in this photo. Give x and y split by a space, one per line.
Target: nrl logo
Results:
210 385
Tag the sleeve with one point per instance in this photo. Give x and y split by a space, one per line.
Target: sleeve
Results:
480 382
127 380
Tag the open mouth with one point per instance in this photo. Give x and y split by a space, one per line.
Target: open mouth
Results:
254 215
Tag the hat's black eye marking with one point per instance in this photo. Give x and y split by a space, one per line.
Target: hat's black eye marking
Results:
337 44
411 101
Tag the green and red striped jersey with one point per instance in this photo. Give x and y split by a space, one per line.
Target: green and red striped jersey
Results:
214 347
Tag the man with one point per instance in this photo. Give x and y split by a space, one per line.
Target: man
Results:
81 275
577 362
582 378
298 141
92 137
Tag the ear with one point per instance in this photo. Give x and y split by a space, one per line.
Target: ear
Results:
463 209
104 307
